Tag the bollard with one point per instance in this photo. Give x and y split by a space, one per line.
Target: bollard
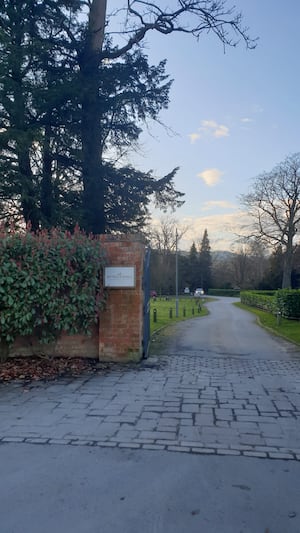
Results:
184 311
155 315
170 312
278 318
199 308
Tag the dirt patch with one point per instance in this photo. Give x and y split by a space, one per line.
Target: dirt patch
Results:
48 368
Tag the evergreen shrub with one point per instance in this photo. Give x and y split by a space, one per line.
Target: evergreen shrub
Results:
288 303
49 283
223 292
261 299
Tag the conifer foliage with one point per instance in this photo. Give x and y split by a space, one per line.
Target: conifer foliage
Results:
199 265
59 148
205 262
73 99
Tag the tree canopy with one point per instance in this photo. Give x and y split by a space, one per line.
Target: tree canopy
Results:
74 96
41 127
274 205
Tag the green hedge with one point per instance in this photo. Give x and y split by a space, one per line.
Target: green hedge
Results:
49 282
285 301
261 299
223 292
288 303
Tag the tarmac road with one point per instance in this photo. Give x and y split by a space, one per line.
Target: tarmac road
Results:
68 489
226 332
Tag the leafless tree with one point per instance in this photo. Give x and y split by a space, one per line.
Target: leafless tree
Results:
222 271
163 236
249 263
274 205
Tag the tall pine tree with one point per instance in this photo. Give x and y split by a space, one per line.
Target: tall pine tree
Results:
205 262
42 120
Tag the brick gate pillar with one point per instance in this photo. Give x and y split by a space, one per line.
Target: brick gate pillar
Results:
121 322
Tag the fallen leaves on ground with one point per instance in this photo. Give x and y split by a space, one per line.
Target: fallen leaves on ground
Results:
44 368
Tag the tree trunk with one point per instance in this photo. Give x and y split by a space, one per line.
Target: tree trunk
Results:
93 181
287 271
47 203
28 193
288 266
23 141
4 350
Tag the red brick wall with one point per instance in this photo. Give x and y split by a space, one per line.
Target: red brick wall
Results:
66 346
121 323
119 336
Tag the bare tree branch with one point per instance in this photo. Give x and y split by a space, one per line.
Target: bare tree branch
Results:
274 205
188 16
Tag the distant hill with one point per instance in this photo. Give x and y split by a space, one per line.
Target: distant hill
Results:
222 254
216 254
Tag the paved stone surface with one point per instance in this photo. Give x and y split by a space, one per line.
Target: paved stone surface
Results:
176 402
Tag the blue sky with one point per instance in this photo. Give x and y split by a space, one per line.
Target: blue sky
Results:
235 115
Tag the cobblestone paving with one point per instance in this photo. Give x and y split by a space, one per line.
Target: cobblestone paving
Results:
184 403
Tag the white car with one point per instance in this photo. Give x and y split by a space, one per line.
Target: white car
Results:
198 293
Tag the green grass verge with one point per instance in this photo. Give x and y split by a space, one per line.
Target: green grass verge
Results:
288 329
188 307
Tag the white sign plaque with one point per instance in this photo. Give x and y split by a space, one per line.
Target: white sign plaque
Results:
119 276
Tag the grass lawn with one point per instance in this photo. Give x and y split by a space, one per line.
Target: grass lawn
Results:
165 310
289 329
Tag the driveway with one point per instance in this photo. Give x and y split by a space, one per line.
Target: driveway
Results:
226 332
217 386
218 391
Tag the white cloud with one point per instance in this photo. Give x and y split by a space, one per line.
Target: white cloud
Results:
194 137
222 204
257 108
213 128
210 128
209 124
223 230
246 120
221 131
211 176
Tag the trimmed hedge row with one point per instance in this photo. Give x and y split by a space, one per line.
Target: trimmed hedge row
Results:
260 299
283 301
288 303
223 292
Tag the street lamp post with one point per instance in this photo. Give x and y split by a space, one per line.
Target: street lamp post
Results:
176 272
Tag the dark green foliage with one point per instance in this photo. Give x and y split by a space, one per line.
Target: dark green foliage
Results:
198 265
223 292
288 303
193 275
64 123
36 77
73 99
205 262
49 283
128 193
273 276
285 301
261 299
